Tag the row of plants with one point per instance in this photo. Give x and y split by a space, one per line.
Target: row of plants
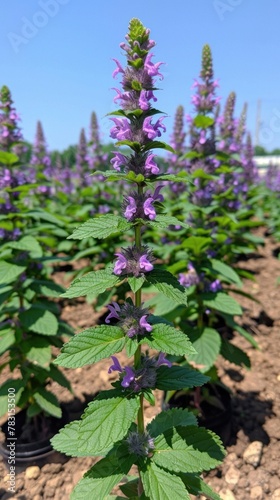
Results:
176 229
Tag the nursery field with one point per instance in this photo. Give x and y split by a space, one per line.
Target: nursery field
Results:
246 473
139 302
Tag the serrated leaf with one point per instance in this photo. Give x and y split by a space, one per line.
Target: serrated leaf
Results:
170 340
220 301
136 283
9 272
161 485
103 424
39 320
207 345
101 479
92 283
48 402
170 418
91 346
188 449
101 227
163 221
178 377
37 350
196 486
167 284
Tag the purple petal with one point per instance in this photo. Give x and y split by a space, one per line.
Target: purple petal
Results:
115 366
144 324
129 377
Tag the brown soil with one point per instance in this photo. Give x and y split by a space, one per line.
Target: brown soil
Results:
255 401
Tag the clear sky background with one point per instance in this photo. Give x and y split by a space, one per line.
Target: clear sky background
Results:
58 62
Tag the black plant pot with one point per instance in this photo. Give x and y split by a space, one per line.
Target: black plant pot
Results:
35 449
216 419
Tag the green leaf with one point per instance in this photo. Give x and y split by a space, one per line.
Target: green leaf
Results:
101 227
104 422
158 145
8 158
168 339
17 385
7 339
92 283
101 479
39 320
226 271
188 449
180 177
196 486
161 485
220 301
167 284
202 121
28 244
230 322
178 377
91 345
38 350
48 402
170 418
162 221
197 244
235 355
47 288
136 283
207 345
9 272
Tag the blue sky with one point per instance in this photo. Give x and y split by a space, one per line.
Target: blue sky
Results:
56 58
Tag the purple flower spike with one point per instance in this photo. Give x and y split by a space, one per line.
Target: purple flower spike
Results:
120 264
114 310
144 324
151 166
145 264
129 376
149 209
163 361
115 366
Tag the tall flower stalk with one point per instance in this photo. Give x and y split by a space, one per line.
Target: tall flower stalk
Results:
113 425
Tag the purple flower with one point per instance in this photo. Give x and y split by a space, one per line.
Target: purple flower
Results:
144 324
122 130
114 312
145 264
163 361
145 97
149 209
153 131
120 264
115 366
131 208
119 68
150 165
118 160
151 68
129 377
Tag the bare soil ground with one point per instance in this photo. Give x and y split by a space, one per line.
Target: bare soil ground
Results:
251 469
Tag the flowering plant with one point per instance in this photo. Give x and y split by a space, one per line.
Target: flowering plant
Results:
171 451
